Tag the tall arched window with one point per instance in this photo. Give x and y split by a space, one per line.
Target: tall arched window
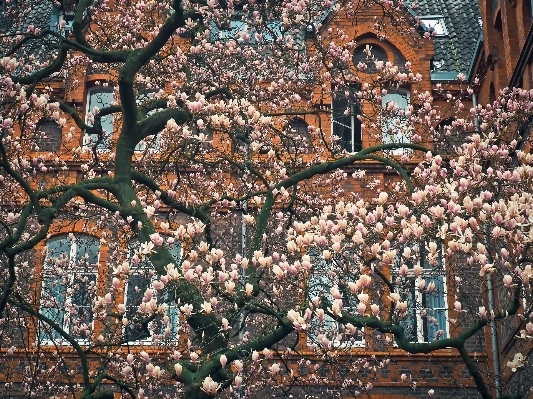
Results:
69 276
47 135
99 98
394 123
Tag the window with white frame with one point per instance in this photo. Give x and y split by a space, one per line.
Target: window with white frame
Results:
346 126
61 20
425 319
69 277
323 278
434 24
138 290
99 98
394 125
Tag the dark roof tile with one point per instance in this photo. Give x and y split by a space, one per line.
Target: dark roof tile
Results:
454 52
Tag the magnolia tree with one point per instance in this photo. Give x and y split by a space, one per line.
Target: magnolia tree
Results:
185 237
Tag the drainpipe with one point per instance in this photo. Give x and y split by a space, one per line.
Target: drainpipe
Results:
244 240
490 289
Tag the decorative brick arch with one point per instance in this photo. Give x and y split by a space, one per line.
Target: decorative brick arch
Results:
403 46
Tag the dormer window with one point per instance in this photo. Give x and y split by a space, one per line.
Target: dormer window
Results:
237 30
61 20
434 24
246 34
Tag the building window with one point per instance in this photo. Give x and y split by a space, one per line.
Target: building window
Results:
296 136
323 278
47 135
237 30
99 98
61 21
346 126
434 24
394 105
139 290
425 319
448 138
69 276
143 104
270 32
367 58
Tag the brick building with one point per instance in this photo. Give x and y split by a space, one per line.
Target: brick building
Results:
505 61
459 51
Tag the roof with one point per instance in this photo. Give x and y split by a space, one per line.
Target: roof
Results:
454 52
39 16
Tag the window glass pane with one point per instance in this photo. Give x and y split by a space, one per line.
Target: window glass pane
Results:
48 135
297 136
151 142
426 312
135 289
82 315
395 121
346 125
52 306
175 251
238 30
361 57
174 315
410 322
319 285
53 291
72 287
272 31
87 251
342 125
101 98
436 308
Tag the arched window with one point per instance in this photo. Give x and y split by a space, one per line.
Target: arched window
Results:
394 124
99 98
69 276
369 55
48 135
296 137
